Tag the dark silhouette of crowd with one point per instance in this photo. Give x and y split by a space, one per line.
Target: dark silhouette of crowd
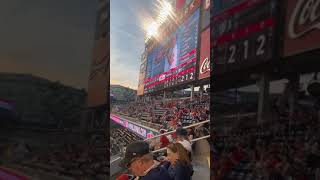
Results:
286 148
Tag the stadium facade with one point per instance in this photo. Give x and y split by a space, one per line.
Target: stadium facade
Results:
98 85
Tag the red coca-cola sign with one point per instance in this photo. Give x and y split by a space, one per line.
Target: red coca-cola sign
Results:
302 31
204 65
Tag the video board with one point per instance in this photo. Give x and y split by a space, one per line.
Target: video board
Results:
242 33
172 62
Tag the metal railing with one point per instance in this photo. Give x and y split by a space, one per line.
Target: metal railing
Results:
162 149
185 127
193 140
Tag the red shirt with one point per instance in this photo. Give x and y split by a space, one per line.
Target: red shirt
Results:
164 141
174 135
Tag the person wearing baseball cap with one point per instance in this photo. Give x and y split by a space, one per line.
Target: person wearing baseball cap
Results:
139 160
182 138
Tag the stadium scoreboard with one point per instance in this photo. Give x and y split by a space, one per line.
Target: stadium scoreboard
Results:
172 62
242 33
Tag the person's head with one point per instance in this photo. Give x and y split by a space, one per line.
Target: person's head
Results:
176 151
162 131
182 134
138 158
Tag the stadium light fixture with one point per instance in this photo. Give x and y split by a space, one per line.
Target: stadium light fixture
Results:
152 29
165 12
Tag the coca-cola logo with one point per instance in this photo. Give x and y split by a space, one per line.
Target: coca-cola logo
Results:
305 18
205 66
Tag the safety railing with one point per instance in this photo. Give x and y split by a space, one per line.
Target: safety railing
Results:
162 149
185 127
170 132
193 140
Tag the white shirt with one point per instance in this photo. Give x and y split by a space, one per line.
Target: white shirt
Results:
186 144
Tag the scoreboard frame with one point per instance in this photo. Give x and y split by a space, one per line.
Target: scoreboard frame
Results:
244 35
183 15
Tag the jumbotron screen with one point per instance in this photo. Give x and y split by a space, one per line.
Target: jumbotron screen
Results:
173 61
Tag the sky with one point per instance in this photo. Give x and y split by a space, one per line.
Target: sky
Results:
52 39
127 31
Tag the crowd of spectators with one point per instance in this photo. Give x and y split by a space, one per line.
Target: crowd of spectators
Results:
86 160
287 148
168 113
120 138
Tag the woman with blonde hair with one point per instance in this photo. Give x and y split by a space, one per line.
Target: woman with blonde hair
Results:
180 167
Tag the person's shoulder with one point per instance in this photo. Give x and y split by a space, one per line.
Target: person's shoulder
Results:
158 173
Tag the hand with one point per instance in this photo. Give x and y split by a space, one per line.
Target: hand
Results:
163 159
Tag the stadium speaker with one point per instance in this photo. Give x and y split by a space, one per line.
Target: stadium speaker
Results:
314 86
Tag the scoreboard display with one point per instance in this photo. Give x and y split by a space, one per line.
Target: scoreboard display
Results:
173 61
242 33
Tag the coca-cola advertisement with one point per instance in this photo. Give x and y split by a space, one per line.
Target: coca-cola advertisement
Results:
204 65
302 31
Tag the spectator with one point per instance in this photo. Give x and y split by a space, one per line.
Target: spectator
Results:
182 138
139 160
164 139
180 166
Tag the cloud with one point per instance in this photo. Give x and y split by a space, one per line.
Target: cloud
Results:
127 40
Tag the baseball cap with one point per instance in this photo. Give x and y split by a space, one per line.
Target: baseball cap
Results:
134 150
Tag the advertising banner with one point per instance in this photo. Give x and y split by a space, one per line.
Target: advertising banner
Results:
145 133
302 32
204 63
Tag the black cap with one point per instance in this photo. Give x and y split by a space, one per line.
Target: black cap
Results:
181 132
134 150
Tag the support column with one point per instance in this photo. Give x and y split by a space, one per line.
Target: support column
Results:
263 104
92 121
84 120
164 95
294 82
192 92
201 91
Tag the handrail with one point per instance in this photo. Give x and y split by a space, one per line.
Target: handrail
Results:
193 140
158 150
116 159
186 127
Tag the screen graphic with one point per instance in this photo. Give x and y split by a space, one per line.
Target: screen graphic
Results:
172 62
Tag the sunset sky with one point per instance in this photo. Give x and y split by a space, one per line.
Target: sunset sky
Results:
127 32
48 38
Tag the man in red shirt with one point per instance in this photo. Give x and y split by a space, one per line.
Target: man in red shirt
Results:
163 139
